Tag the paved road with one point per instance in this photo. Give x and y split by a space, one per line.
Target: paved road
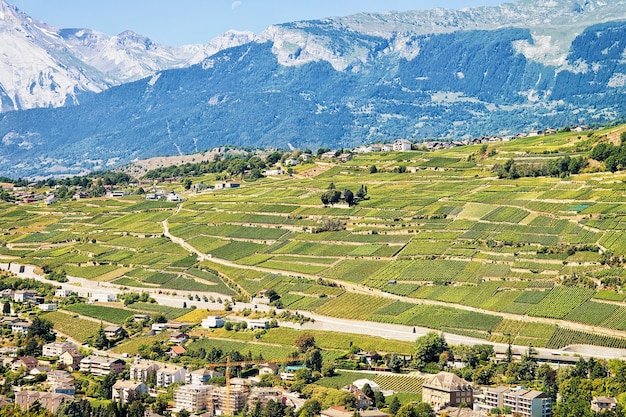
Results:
384 330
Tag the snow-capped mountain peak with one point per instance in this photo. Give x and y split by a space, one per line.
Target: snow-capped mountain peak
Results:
44 66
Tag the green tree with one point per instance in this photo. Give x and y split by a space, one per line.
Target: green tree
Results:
101 341
310 408
6 308
379 399
41 328
406 410
274 409
106 389
313 359
368 391
373 169
394 405
348 197
429 348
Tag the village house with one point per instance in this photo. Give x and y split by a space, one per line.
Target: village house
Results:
20 327
112 332
222 185
21 296
60 292
362 400
102 298
402 145
47 307
268 369
28 362
173 197
158 327
71 358
179 338
176 351
599 404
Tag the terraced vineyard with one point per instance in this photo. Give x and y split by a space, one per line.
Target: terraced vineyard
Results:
446 244
400 383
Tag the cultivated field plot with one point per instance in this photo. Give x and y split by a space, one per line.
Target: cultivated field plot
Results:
400 383
70 324
444 231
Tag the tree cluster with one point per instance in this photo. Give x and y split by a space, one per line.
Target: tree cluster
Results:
560 167
614 157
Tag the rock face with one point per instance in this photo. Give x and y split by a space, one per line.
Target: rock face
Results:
43 66
333 82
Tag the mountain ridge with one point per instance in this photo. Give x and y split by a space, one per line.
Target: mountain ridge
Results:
324 84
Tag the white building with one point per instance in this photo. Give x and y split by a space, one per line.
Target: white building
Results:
141 368
47 307
212 322
174 197
402 145
60 292
201 376
523 402
170 374
20 327
102 298
58 348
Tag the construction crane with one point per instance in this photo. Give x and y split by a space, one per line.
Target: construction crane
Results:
227 373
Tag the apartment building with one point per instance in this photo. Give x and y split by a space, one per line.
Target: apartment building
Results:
527 403
194 398
141 368
170 374
99 365
57 348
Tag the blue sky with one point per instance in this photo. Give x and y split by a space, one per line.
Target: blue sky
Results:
177 22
